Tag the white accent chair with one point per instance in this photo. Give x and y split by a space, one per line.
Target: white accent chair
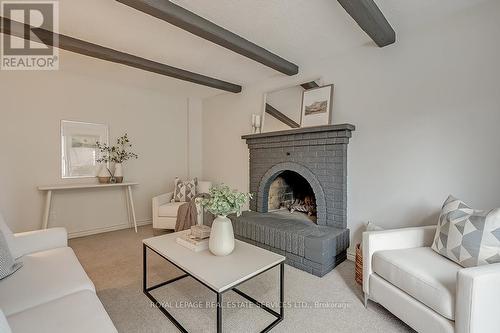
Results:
51 292
165 209
426 290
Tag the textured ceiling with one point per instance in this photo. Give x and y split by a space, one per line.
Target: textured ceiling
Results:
301 31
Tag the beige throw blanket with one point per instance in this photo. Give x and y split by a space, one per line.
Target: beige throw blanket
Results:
187 215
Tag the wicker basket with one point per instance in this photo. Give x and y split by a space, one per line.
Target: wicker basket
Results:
359 265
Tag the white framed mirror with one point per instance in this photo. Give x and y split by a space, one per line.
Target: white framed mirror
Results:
79 152
283 107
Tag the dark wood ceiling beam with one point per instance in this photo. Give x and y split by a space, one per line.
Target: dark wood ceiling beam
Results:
201 27
369 17
280 116
96 51
310 85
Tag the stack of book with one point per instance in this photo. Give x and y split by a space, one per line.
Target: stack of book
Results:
196 239
200 231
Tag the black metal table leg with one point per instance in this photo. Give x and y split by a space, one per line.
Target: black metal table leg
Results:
147 290
219 313
282 290
144 268
279 315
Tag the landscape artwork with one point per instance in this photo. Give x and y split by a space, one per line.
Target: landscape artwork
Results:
84 141
317 106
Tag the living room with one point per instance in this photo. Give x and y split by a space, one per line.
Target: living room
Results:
351 136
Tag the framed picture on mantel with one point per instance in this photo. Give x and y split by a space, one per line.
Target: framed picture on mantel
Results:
317 105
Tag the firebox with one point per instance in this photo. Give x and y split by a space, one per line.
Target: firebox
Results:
290 191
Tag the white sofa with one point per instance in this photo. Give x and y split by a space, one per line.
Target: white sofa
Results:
426 290
165 209
51 293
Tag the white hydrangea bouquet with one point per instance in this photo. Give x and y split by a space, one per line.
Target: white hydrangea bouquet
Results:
224 201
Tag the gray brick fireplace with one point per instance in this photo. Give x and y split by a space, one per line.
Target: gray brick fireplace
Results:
318 156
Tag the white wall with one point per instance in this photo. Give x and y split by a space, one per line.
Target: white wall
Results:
86 89
427 111
195 137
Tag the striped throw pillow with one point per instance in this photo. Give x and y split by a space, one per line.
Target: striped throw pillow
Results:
7 263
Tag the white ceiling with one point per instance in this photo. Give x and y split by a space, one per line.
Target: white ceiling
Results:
301 31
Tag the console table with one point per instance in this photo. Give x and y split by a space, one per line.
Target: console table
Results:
49 188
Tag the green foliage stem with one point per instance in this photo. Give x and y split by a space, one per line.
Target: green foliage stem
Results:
118 153
224 200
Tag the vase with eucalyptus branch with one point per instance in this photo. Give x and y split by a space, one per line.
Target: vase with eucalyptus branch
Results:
117 154
105 175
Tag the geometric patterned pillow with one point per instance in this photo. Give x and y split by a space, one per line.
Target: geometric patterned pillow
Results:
468 237
184 191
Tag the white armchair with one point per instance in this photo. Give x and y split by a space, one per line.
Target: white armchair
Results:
165 211
426 290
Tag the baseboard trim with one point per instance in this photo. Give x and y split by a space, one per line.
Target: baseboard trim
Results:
76 234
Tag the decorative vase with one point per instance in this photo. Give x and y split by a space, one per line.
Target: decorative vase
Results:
221 242
118 175
104 175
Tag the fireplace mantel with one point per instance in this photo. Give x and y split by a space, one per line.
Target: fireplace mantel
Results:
316 129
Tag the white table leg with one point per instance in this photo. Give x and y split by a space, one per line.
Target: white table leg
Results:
127 202
131 202
46 213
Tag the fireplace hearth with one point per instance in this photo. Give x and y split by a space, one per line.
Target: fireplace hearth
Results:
299 209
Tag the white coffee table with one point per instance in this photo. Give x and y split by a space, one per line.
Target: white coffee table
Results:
219 274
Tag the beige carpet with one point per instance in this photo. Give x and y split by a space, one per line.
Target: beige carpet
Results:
330 304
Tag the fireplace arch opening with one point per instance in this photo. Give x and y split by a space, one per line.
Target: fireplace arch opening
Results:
260 201
291 192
